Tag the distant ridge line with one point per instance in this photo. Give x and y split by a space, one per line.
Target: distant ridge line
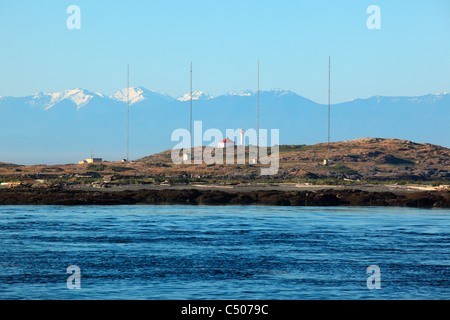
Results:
77 95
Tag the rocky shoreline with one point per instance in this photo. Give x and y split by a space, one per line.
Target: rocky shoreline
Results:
324 197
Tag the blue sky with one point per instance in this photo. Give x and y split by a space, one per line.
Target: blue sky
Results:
408 56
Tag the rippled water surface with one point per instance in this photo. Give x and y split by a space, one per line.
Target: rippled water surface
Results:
223 252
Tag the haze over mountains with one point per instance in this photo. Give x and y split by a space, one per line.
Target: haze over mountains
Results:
67 126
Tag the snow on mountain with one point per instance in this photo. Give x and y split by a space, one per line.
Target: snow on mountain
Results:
246 93
279 92
134 94
196 95
138 94
81 97
78 96
436 96
429 98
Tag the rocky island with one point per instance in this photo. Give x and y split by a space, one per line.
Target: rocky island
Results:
362 172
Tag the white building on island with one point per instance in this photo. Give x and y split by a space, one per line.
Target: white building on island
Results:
90 160
225 143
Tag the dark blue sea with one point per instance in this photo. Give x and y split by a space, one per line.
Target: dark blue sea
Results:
224 252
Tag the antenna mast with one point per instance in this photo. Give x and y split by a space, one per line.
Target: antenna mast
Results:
257 112
329 84
190 119
128 110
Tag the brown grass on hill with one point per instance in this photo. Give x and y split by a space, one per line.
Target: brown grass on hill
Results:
363 159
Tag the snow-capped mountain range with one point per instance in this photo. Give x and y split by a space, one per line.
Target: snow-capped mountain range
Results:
81 97
65 126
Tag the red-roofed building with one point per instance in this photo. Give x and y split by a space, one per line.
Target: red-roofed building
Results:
225 143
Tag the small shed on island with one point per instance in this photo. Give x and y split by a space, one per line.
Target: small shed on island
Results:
225 143
92 160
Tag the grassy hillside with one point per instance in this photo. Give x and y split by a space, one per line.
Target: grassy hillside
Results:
369 159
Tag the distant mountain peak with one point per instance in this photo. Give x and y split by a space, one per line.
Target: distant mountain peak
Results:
135 94
196 95
78 96
138 94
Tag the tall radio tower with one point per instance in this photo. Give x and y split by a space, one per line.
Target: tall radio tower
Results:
128 110
257 112
329 85
190 118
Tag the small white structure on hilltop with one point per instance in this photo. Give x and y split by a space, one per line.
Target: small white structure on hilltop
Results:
225 143
90 160
187 156
242 136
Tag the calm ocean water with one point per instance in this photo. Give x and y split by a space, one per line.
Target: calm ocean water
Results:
223 252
